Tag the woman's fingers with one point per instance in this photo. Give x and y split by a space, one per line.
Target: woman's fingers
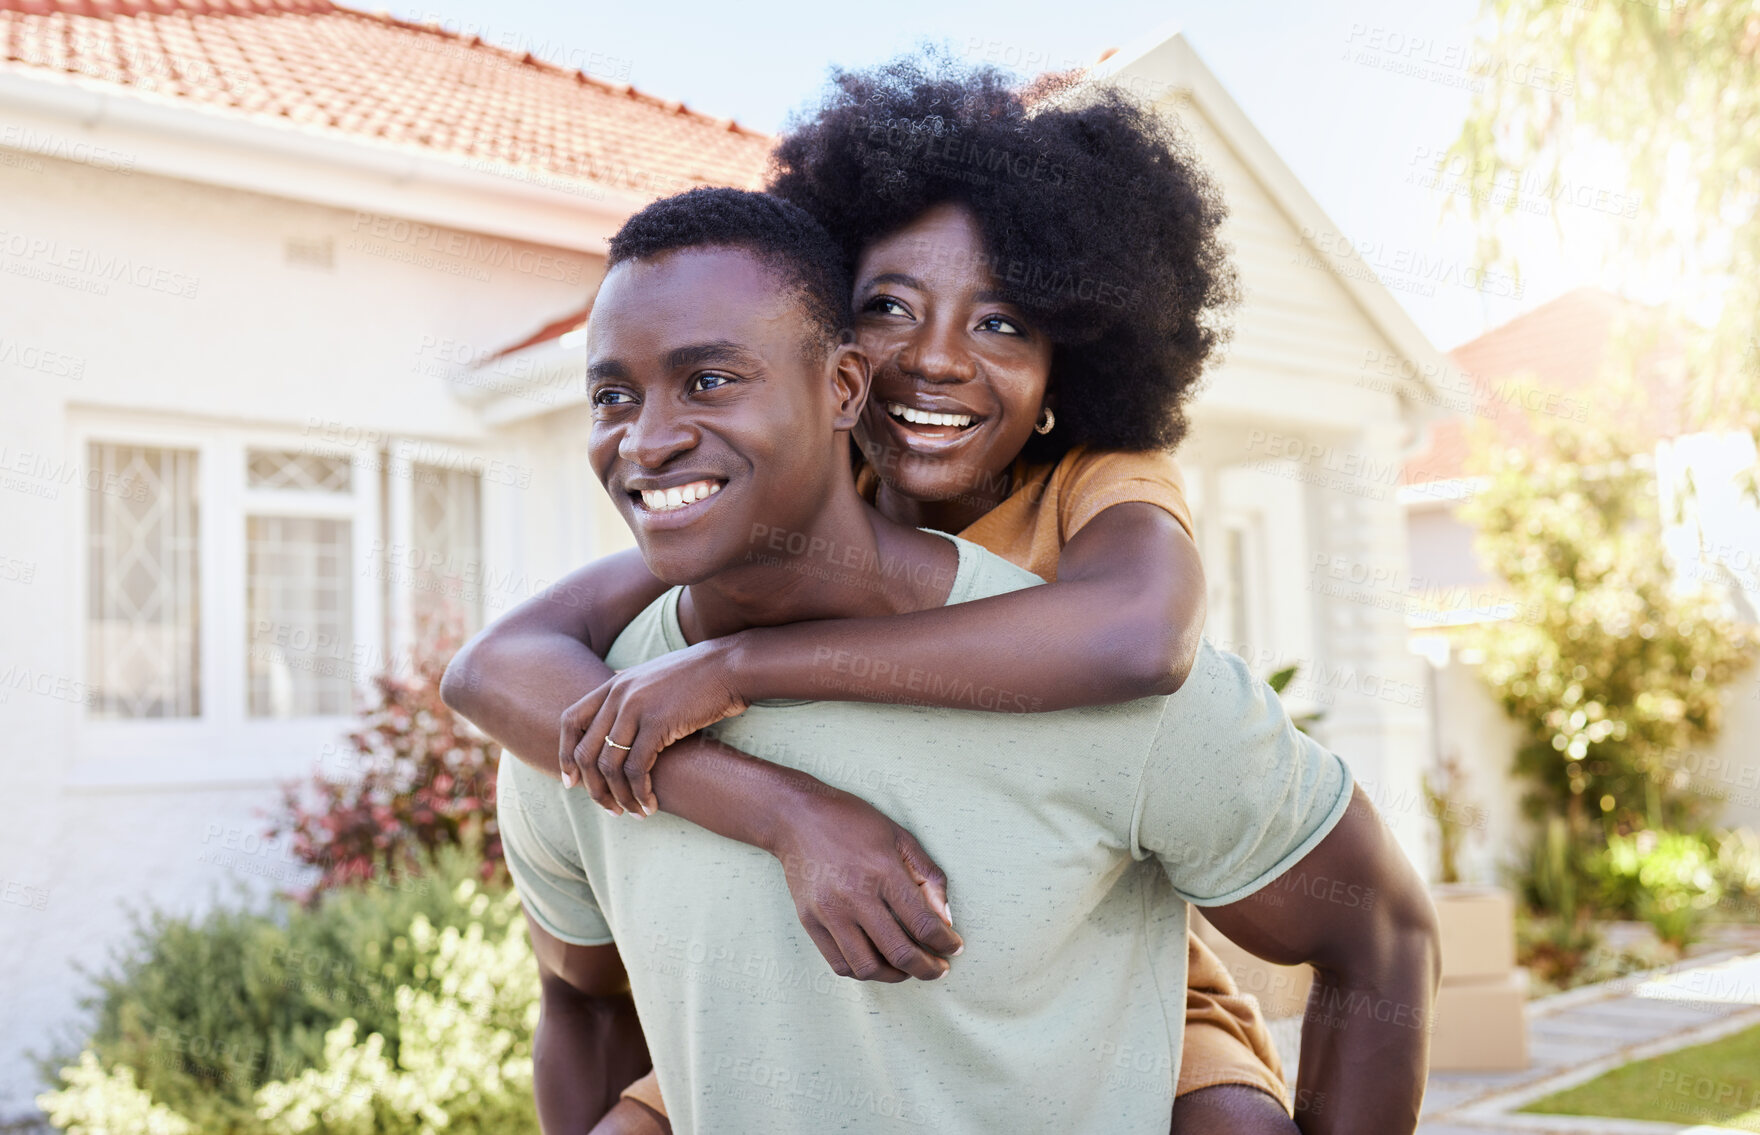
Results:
614 752
638 767
866 963
828 947
896 947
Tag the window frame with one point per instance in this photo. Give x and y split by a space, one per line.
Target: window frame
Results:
224 745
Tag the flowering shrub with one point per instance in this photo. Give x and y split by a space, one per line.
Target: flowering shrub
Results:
437 978
418 778
464 1062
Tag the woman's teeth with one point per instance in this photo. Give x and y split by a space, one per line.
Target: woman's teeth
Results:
925 418
665 500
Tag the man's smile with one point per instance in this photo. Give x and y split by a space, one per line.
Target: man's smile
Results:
676 504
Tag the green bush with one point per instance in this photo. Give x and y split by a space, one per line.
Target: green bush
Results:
199 1018
1668 879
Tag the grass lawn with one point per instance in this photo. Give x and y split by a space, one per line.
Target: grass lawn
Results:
1716 1083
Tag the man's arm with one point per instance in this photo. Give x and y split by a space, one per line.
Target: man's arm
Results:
1354 909
588 1046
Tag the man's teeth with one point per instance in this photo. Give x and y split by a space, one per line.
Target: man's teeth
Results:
925 418
665 500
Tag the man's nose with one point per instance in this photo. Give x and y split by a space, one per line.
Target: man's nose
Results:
657 436
936 353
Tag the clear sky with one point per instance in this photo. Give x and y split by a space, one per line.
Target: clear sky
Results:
1352 94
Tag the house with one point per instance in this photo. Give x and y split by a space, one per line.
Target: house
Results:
290 305
244 249
1567 359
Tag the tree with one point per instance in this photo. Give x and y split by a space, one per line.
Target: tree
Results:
1610 667
1673 88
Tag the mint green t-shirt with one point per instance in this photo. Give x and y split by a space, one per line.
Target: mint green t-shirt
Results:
1072 843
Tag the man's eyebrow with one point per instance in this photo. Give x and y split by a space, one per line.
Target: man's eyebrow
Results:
714 351
608 371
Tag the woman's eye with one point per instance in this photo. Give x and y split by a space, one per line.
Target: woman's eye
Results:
998 323
885 305
711 381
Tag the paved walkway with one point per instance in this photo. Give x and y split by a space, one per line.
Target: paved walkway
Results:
1578 1035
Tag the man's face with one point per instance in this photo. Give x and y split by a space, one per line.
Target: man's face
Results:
712 418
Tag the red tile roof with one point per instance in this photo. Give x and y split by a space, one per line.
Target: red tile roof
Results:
336 70
1550 360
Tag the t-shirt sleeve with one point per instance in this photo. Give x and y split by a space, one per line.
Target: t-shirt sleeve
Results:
536 841
1100 480
1233 794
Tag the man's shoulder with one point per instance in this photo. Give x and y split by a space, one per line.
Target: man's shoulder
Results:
983 573
650 634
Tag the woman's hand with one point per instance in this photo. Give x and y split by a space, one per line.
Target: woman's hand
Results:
868 894
611 737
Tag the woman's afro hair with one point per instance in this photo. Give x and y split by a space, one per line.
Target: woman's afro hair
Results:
1097 218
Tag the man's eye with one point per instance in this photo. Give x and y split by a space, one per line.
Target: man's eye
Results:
711 381
998 323
611 398
885 305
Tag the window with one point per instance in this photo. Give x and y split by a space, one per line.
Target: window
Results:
142 615
233 604
446 584
300 610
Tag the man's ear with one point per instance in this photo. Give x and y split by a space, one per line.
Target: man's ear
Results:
850 377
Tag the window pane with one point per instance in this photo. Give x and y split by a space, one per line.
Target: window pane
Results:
142 615
306 472
445 573
300 594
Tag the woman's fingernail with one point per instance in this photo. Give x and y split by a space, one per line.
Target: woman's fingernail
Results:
958 952
567 778
947 912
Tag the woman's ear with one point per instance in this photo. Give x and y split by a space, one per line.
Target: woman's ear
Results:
850 376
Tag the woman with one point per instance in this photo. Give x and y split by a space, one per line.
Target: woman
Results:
1038 287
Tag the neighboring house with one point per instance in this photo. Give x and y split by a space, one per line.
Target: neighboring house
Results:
1571 359
290 306
243 250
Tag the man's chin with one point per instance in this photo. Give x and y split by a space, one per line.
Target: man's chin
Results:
679 566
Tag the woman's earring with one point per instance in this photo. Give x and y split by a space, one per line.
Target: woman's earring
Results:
1046 420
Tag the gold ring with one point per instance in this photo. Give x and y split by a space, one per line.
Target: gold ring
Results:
615 745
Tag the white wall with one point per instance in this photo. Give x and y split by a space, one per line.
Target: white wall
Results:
221 332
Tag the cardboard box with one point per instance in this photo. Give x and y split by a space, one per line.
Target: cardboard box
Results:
1481 1025
1282 990
1478 931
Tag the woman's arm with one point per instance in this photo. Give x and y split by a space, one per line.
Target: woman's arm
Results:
859 881
513 679
1121 622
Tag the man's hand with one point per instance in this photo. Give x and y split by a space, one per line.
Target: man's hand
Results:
869 896
611 738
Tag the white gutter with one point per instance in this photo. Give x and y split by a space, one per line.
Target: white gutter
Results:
176 138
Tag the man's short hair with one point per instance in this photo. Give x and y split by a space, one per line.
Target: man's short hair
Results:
783 236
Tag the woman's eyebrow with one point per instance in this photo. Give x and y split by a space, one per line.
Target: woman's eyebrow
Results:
893 278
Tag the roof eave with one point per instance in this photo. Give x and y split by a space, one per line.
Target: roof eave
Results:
286 160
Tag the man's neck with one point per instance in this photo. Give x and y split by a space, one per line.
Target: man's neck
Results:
846 561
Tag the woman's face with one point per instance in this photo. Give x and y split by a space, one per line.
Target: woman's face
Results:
959 374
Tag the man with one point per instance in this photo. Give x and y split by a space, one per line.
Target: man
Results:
722 404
